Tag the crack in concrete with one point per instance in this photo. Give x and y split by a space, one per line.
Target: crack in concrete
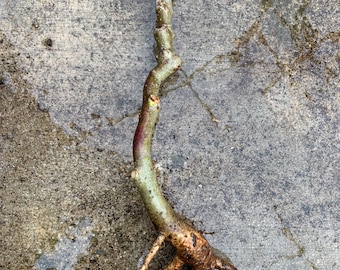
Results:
304 36
306 40
286 231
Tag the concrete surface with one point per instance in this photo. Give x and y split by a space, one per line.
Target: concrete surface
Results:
263 181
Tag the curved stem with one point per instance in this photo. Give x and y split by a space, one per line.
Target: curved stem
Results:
144 174
191 247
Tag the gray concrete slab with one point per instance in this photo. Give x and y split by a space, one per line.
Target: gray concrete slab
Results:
247 144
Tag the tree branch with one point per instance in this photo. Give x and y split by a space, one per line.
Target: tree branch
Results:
191 247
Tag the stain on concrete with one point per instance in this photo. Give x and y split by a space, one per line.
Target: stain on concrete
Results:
49 184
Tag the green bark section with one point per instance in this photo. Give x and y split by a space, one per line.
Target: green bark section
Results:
144 174
191 247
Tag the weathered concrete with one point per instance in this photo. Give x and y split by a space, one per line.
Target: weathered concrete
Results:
247 144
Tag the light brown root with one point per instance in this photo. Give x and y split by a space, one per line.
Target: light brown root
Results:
224 265
193 249
176 264
155 247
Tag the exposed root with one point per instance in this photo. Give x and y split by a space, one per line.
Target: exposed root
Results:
176 264
155 247
193 249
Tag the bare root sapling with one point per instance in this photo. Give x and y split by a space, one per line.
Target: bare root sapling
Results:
190 245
